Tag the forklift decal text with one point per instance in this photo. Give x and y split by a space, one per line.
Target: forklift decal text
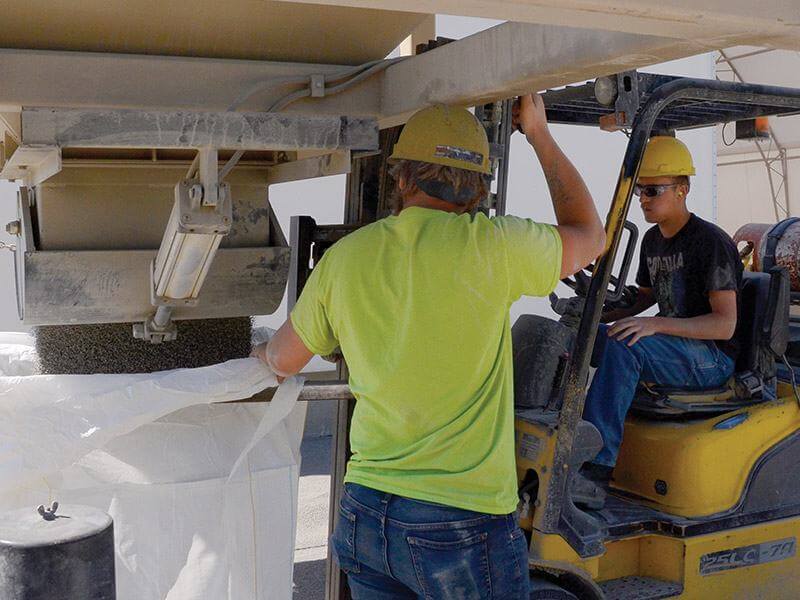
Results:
746 556
530 446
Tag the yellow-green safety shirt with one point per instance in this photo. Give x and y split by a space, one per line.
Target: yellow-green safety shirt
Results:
419 304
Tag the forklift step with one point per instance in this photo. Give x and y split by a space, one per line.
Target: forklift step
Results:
640 588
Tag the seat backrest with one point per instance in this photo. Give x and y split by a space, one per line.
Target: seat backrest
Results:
753 298
763 323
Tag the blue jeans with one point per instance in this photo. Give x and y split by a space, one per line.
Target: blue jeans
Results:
393 547
659 359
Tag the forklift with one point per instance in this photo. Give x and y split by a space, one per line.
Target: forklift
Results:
702 504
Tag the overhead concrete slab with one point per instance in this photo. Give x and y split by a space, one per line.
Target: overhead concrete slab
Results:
516 58
717 23
248 29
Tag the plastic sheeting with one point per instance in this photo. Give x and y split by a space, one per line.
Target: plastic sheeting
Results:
203 495
17 354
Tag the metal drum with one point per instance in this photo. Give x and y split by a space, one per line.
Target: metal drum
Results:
786 246
752 234
64 553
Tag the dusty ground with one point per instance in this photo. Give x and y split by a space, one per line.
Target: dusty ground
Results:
312 520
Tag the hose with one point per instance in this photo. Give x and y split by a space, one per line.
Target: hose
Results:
289 98
358 74
364 75
262 85
232 161
329 91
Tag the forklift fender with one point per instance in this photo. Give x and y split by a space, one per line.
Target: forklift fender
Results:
570 577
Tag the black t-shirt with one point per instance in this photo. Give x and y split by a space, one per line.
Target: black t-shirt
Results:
683 269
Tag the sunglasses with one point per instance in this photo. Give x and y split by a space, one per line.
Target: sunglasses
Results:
652 191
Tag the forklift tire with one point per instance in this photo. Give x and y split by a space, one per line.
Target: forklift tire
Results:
541 589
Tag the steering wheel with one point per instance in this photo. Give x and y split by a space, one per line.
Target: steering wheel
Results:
580 281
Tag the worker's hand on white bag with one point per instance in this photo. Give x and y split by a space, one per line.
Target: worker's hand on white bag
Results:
528 115
260 352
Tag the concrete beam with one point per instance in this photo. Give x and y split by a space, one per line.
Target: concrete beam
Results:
516 58
184 129
43 78
773 23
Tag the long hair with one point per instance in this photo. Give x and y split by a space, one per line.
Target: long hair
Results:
471 185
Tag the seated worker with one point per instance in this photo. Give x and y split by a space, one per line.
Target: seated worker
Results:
691 268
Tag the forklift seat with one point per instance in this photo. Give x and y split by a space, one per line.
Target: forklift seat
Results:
762 333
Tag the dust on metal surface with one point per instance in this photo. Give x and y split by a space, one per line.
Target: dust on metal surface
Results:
113 286
97 128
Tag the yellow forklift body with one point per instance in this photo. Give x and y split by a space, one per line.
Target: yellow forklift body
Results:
535 445
749 562
758 561
700 468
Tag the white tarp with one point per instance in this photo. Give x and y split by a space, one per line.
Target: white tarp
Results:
17 354
203 495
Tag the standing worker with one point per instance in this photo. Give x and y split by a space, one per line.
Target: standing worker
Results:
419 305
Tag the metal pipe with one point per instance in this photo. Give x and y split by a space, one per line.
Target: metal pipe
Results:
326 391
728 59
314 391
786 194
753 161
162 317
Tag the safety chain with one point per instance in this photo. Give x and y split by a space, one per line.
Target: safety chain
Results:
11 247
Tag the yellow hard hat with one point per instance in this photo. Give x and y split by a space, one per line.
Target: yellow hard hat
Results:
445 135
666 156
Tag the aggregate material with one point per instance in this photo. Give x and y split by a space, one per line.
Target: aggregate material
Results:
111 348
